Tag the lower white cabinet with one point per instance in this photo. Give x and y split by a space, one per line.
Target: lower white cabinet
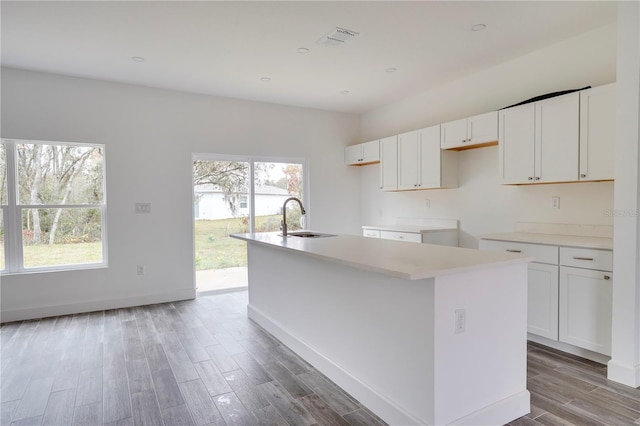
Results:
585 308
542 297
409 237
569 293
371 233
542 290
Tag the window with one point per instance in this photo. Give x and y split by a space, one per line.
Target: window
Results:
243 202
53 205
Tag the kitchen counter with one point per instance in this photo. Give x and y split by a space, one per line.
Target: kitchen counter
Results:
401 327
601 243
393 258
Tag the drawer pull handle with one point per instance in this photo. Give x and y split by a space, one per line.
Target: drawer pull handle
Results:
514 251
607 277
582 258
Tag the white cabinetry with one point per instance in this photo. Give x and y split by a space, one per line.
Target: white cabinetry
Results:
409 237
569 293
585 298
421 162
471 132
389 163
371 233
362 153
539 142
597 132
542 289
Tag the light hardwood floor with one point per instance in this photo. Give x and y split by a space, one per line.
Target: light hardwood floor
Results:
203 362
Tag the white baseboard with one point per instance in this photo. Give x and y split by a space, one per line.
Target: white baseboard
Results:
501 412
625 374
9 315
565 347
384 408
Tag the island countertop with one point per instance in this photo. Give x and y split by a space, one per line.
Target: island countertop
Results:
392 258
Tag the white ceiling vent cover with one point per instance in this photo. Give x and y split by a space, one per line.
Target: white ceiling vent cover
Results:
337 37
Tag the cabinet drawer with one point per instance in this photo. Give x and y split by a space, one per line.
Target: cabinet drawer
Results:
371 233
401 236
542 253
601 260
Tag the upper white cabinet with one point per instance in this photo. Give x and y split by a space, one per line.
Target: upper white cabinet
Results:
363 153
597 132
389 163
539 142
421 162
479 130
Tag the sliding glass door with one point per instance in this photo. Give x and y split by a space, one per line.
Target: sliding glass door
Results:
238 195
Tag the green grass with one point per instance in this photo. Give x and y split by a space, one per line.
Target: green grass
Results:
62 254
215 249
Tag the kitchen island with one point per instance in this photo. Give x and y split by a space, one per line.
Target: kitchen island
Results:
420 334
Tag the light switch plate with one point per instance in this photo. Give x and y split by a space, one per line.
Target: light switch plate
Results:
143 208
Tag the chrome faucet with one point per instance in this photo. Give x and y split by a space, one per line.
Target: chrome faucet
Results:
284 213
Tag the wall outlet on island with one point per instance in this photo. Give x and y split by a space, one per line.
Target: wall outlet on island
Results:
461 320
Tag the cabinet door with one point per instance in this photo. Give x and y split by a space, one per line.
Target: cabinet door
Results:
389 163
542 300
408 160
454 134
482 128
353 154
557 139
430 158
516 144
597 132
585 308
371 151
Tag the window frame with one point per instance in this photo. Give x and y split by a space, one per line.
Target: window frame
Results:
12 213
251 194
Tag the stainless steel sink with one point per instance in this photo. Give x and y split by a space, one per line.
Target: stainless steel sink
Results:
308 234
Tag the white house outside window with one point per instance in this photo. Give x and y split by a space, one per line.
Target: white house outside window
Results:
52 196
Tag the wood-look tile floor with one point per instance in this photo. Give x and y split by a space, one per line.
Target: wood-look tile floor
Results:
203 362
569 390
197 362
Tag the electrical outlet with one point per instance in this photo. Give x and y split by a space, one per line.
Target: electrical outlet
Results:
141 270
461 320
427 203
555 202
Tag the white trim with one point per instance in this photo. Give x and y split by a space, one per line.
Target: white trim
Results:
9 315
14 247
565 347
511 407
626 374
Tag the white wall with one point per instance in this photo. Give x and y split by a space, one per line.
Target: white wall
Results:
480 203
150 135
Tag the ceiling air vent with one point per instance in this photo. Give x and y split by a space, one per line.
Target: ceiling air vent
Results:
337 37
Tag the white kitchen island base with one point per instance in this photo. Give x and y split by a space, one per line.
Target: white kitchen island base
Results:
391 343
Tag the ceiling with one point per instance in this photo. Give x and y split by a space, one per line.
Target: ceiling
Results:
227 48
